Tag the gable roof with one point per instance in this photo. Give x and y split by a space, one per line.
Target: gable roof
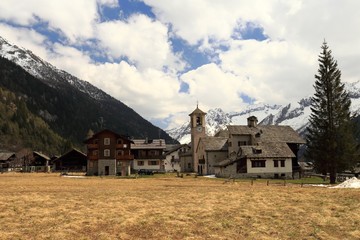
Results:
109 131
72 151
268 133
6 155
41 155
214 143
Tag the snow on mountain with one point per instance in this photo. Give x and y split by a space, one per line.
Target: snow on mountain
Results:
295 115
43 70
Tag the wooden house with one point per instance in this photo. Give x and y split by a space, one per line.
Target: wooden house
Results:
35 162
5 161
72 161
108 153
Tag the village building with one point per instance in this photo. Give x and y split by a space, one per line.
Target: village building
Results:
266 151
148 154
210 151
35 162
250 150
172 157
5 161
186 159
72 161
108 153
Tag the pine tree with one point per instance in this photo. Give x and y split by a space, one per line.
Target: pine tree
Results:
331 144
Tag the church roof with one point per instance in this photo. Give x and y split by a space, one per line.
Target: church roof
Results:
268 133
214 143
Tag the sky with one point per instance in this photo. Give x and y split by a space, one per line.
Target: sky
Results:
162 58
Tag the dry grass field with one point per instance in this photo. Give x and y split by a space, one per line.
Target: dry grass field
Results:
47 206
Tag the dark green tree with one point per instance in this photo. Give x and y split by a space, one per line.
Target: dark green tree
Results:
331 143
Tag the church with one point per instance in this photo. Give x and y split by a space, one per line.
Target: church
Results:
242 151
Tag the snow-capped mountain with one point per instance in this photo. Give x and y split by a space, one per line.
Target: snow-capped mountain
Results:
294 115
69 105
43 70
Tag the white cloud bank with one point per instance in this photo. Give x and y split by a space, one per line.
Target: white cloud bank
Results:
144 72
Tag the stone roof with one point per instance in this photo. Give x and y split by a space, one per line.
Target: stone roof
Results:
197 111
268 133
273 150
214 143
267 150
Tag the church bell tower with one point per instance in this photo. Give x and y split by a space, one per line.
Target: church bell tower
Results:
197 125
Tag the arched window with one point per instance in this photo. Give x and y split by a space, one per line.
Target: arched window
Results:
107 153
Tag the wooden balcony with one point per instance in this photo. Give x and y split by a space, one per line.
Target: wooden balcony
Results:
92 146
125 157
93 157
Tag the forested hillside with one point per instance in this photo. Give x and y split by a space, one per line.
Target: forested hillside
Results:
20 128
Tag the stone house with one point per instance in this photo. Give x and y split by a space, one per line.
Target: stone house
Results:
267 151
210 151
108 153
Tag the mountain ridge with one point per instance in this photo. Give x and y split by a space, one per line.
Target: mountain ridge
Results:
69 105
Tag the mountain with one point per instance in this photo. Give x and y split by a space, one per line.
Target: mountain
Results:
295 115
70 106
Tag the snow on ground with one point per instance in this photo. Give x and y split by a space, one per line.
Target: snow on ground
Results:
350 183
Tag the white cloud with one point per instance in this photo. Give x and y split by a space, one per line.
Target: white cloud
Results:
75 19
141 39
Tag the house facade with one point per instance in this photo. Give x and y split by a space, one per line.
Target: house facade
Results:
108 153
148 154
5 161
172 157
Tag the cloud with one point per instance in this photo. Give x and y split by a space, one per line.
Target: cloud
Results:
73 19
142 40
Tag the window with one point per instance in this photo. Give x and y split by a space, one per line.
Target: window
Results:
107 153
106 141
120 152
189 165
230 144
119 141
153 163
258 163
241 143
282 163
140 163
96 141
276 163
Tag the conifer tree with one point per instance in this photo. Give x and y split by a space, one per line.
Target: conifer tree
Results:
331 144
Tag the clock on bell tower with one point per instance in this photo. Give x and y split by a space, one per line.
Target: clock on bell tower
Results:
197 125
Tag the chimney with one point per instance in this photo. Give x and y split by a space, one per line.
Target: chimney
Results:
252 121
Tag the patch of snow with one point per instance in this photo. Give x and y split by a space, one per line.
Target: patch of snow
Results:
350 183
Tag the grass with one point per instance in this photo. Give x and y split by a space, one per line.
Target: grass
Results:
46 206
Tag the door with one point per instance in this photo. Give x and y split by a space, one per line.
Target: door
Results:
107 170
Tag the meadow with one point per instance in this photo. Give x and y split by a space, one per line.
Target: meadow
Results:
47 206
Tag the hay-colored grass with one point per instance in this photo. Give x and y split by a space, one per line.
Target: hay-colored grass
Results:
46 206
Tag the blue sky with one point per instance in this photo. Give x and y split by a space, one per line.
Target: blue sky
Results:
161 57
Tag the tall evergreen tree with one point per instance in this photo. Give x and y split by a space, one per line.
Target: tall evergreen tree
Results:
331 144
